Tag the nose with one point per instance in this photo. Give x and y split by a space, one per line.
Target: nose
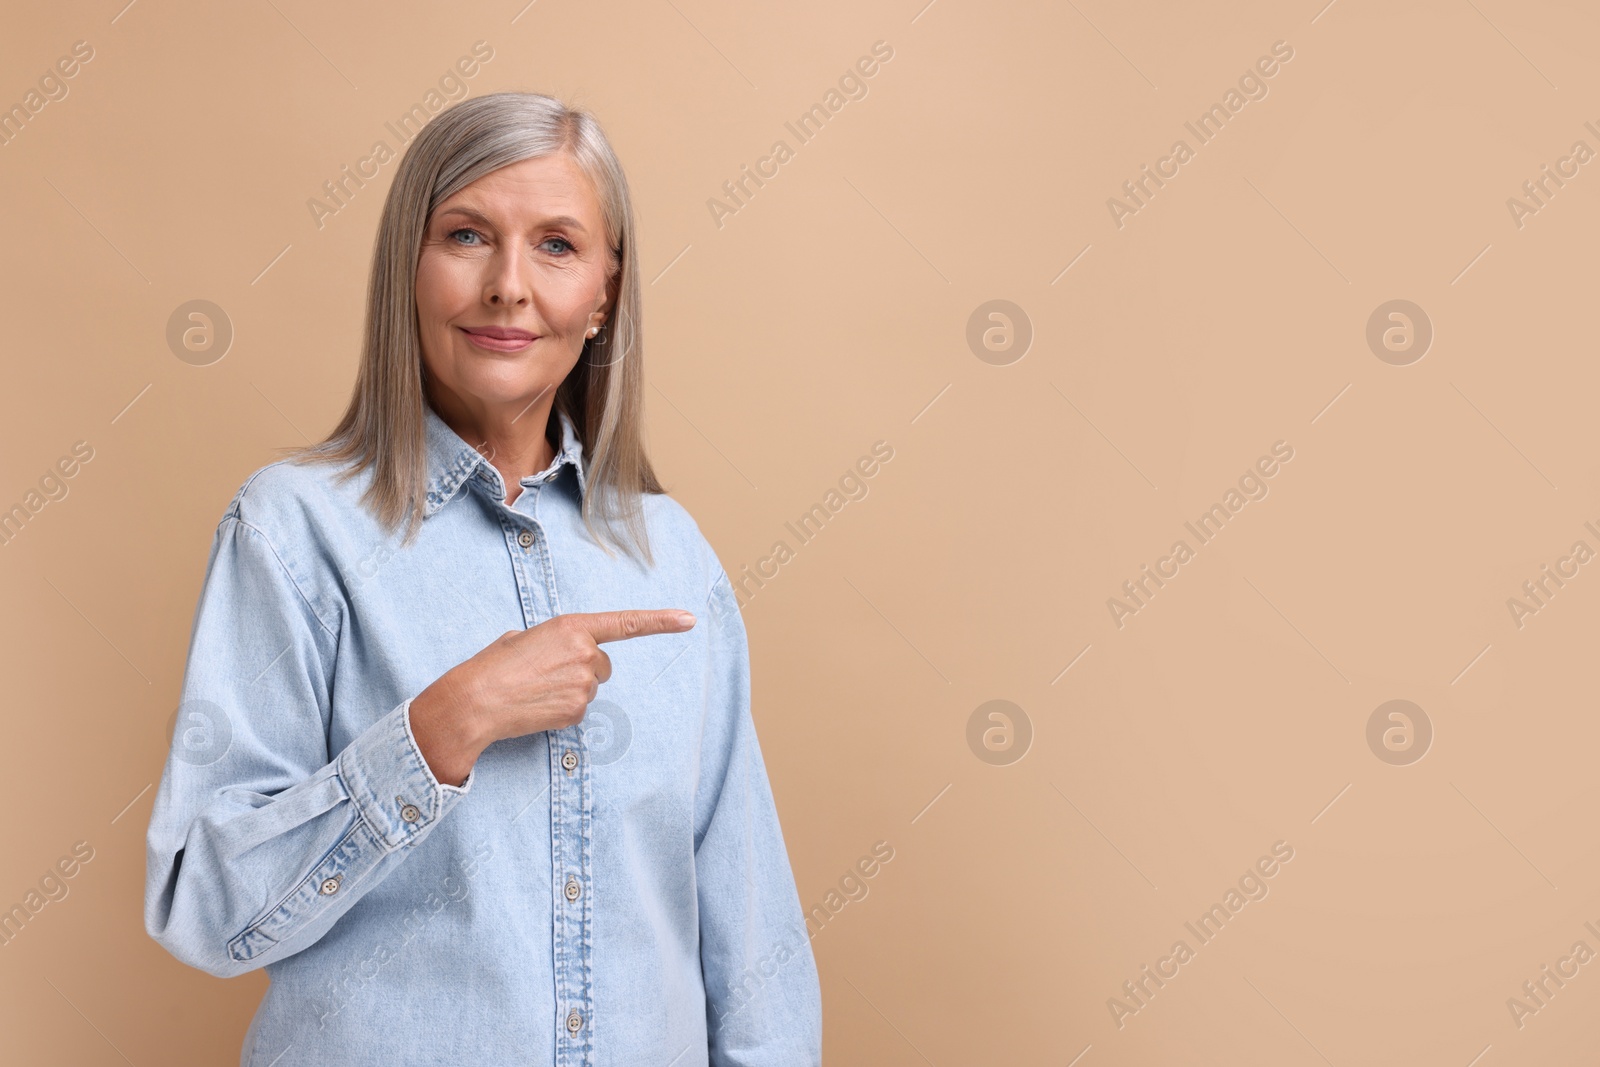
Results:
508 283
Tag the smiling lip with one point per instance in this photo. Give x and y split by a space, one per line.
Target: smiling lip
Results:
498 338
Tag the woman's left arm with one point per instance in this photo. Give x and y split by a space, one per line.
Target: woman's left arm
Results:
763 998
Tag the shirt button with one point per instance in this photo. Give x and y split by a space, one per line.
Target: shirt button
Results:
330 886
574 1022
410 813
570 760
525 538
573 889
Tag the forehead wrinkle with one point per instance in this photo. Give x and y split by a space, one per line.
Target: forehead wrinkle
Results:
479 216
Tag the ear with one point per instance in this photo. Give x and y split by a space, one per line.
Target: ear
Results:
612 288
606 300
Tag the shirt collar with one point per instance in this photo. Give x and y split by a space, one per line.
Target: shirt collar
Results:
451 461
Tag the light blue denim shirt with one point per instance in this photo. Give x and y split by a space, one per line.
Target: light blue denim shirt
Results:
612 893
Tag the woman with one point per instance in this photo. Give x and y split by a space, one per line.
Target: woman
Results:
406 778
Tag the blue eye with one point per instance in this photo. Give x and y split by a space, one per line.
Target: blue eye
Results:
562 240
475 233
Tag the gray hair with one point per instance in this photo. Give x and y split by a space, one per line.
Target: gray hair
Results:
384 425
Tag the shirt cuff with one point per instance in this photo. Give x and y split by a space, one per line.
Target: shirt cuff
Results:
389 781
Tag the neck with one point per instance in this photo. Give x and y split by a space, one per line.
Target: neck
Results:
512 437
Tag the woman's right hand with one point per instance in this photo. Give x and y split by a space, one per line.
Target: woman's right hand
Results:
525 681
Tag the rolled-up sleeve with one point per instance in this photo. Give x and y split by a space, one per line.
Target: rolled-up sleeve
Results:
763 999
261 838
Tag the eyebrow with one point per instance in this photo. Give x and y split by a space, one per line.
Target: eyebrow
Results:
478 216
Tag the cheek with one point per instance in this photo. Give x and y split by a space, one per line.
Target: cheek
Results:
566 303
443 288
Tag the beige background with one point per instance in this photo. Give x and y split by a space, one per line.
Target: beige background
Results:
1230 312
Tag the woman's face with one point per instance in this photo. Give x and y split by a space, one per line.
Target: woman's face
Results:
512 274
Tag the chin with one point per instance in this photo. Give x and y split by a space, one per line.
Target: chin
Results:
504 388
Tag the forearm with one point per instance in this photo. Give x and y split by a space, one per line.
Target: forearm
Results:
237 879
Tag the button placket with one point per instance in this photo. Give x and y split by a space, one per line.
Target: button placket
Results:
570 828
571 812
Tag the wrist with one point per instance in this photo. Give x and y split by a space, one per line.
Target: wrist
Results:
447 730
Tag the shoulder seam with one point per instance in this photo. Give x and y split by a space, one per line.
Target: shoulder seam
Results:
287 573
711 566
721 598
238 497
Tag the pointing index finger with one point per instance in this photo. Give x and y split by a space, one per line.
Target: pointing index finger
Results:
620 625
